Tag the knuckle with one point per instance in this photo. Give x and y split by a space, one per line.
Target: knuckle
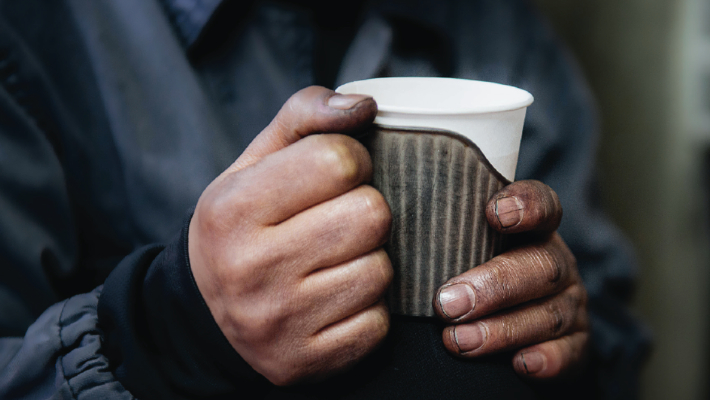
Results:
496 284
371 279
499 334
224 203
261 321
379 323
242 279
302 94
255 327
302 99
547 262
557 321
245 273
338 158
551 265
353 346
211 211
378 212
380 272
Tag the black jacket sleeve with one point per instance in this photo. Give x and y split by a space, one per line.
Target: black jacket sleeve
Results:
154 331
160 334
146 333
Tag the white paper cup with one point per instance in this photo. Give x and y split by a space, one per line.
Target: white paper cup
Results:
440 148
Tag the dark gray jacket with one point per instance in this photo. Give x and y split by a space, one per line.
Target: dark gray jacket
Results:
114 116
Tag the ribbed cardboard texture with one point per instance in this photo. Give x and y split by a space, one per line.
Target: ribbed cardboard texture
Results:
437 184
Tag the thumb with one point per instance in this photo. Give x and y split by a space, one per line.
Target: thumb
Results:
314 109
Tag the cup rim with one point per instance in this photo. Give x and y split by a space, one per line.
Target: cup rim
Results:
524 99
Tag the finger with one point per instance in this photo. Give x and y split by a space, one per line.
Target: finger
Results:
337 292
314 109
512 278
313 170
535 322
525 206
552 359
334 231
345 342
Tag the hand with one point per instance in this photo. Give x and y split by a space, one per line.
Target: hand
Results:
530 298
286 244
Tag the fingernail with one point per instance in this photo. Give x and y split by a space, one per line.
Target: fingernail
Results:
345 101
533 362
457 300
509 211
469 337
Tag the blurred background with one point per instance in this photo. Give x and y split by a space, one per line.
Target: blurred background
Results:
648 62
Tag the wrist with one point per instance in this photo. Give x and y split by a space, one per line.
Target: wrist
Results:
160 334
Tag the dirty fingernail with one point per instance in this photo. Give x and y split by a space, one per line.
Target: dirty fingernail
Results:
469 337
533 362
509 211
345 101
456 300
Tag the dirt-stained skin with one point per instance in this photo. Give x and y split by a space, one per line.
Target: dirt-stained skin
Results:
286 249
529 295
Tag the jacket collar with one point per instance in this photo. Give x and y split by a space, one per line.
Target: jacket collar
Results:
371 48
